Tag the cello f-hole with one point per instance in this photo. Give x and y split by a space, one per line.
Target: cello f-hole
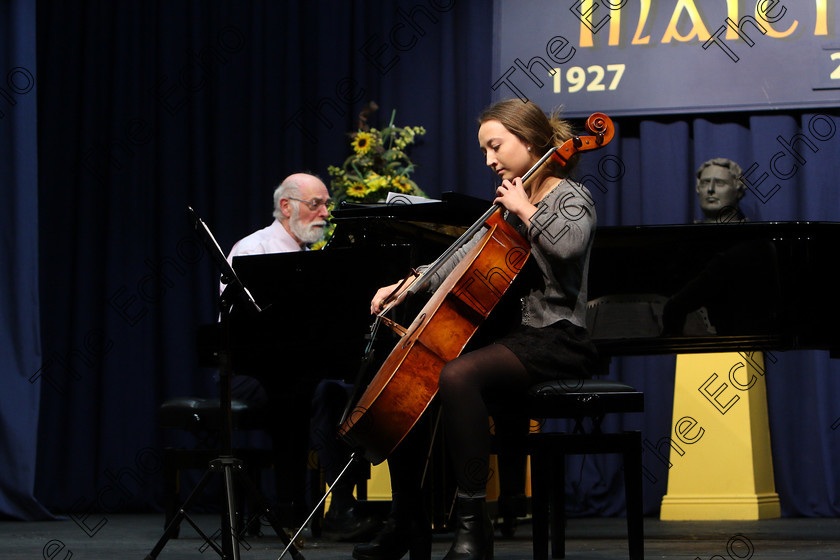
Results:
421 320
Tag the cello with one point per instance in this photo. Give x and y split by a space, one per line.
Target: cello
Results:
406 382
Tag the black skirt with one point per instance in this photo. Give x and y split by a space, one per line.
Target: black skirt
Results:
562 350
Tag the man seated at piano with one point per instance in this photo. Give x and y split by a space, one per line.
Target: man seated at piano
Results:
719 191
302 206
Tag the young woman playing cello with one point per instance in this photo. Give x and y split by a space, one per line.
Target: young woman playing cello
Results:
557 217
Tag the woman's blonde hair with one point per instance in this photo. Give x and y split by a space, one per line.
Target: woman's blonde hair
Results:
529 123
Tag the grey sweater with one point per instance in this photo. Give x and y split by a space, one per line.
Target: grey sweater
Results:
561 235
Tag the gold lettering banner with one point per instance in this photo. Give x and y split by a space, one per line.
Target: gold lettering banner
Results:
627 57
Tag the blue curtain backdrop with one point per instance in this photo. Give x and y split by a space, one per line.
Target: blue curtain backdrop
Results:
20 340
145 108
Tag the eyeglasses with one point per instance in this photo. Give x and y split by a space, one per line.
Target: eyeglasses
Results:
316 203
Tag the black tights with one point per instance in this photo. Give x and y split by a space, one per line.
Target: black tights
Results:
491 375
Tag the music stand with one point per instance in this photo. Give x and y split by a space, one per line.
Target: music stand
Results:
225 464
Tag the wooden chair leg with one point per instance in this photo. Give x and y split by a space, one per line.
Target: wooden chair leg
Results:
558 506
541 480
632 456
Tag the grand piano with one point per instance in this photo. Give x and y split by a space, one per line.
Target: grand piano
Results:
661 289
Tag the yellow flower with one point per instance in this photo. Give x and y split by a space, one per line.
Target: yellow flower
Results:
402 184
376 181
362 142
357 190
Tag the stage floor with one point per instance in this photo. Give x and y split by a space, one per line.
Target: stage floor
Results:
134 536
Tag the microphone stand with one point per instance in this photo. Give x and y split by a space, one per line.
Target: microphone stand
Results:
225 464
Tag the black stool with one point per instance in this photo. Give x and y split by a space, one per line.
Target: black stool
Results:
578 400
203 419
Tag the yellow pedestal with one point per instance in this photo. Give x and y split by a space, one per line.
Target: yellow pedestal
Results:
719 448
379 485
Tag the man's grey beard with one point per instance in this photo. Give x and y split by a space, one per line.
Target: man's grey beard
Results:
309 234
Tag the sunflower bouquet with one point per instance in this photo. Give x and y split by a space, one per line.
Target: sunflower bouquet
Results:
379 163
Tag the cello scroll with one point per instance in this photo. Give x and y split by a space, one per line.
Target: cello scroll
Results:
602 129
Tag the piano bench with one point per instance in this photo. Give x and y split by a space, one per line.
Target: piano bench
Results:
203 419
197 415
580 400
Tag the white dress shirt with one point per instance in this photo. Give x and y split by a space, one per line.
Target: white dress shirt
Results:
271 239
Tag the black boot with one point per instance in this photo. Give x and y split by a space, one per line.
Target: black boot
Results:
511 508
474 534
348 520
406 530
